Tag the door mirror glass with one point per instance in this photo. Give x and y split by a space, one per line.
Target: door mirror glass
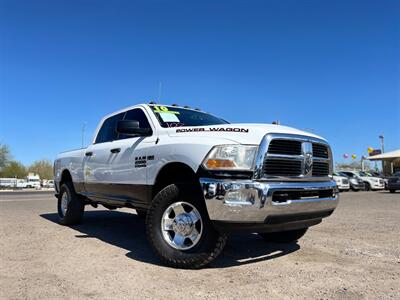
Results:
131 127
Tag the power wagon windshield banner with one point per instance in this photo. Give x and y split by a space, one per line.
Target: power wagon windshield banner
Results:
212 129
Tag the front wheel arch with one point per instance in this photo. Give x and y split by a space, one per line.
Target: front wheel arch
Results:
174 172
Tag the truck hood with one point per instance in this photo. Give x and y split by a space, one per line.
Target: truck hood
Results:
238 133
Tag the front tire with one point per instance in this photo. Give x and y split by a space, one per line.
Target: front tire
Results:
392 191
141 213
284 236
179 229
367 187
70 206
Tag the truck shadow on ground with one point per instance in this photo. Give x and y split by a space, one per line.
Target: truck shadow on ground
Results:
127 231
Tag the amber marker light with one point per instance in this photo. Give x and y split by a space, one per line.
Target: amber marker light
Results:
220 163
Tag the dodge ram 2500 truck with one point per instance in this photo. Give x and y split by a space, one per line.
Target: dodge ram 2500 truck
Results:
196 178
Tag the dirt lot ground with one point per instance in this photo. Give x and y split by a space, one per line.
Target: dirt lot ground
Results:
353 254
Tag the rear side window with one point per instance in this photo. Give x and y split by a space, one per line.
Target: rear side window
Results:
107 132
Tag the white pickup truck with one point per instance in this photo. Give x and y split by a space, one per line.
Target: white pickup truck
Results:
196 178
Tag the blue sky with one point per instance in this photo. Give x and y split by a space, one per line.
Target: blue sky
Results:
329 66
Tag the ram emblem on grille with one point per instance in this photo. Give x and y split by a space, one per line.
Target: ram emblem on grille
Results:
308 158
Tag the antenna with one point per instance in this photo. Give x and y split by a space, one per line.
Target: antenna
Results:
83 133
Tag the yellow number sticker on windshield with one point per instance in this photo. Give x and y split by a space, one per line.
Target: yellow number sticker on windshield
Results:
164 109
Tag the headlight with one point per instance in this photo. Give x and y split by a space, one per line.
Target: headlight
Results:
354 181
231 157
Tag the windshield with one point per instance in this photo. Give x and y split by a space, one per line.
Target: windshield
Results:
365 174
171 116
348 174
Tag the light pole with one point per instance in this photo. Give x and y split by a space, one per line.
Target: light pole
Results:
382 138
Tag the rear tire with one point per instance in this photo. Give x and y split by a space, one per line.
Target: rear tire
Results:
179 229
70 205
284 236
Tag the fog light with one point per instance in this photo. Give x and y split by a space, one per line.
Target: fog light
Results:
239 197
212 190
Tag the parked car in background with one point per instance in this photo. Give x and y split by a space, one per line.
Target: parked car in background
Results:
21 184
8 182
356 183
48 184
371 182
394 182
13 183
342 182
380 175
33 181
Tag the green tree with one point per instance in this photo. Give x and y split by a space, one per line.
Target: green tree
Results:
14 169
43 168
5 156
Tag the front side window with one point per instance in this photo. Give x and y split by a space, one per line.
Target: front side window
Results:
171 116
107 132
136 115
351 175
365 174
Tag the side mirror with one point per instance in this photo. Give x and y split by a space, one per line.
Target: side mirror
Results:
131 127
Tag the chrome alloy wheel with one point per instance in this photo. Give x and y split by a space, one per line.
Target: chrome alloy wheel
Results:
181 225
64 203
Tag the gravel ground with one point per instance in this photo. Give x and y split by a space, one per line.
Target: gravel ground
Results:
354 254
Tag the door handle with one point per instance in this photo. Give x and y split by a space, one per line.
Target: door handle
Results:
89 153
115 150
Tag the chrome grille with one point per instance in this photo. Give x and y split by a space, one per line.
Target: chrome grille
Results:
320 150
320 168
287 147
282 167
295 157
345 181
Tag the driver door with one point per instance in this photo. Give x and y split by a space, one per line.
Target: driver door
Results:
123 173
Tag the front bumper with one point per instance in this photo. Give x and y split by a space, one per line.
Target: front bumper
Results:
343 187
357 186
394 185
250 202
377 186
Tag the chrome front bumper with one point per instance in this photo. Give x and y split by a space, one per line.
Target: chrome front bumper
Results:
250 201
